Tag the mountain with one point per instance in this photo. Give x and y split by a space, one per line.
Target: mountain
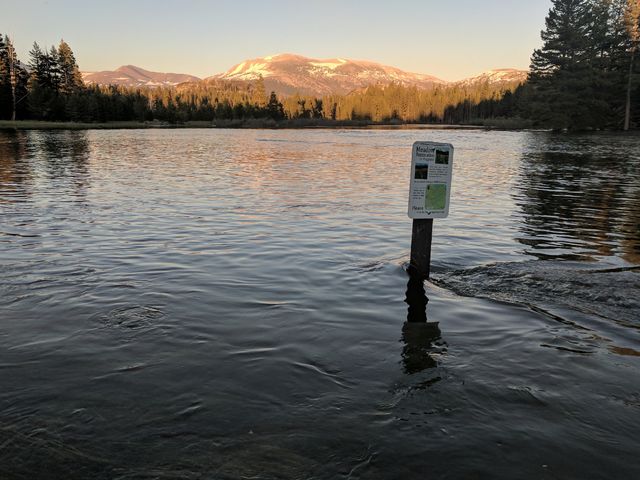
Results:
501 75
287 74
132 76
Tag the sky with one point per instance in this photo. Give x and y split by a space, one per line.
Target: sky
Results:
451 39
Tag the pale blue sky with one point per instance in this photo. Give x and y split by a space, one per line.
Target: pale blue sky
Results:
449 39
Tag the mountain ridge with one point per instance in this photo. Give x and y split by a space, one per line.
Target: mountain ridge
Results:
133 76
288 74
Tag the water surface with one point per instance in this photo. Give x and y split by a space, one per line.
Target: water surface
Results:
233 304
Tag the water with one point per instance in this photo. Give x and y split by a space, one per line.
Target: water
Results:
231 304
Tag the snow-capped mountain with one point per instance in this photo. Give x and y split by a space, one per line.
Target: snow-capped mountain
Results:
132 76
287 74
500 75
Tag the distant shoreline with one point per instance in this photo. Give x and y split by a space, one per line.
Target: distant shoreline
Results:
239 124
293 124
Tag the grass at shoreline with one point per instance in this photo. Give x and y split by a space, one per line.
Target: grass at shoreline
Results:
250 123
37 124
515 124
510 124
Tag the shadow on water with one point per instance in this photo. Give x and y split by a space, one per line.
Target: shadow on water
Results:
418 335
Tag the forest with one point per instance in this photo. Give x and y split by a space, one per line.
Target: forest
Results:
584 76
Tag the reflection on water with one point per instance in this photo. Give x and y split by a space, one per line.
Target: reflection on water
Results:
13 176
420 345
576 212
228 304
580 199
416 299
32 157
66 157
419 336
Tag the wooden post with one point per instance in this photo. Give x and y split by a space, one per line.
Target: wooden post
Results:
420 264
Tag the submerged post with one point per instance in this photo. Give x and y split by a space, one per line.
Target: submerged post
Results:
429 194
420 263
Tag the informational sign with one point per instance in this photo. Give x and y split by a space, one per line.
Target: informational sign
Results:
430 188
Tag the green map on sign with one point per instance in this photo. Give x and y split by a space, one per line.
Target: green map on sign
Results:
436 197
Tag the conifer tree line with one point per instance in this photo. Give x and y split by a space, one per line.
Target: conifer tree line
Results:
585 75
51 88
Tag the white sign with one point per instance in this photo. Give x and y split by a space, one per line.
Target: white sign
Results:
430 189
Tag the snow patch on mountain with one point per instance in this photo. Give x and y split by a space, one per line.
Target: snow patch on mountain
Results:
249 72
331 65
288 73
500 75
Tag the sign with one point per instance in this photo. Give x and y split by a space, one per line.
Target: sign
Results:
430 187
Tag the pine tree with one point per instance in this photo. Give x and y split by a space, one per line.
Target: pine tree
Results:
22 92
578 77
561 71
13 68
44 100
37 81
316 108
5 82
259 97
604 39
13 81
275 110
52 60
70 77
632 22
45 67
36 63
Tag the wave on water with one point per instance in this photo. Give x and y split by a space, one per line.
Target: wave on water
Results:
133 317
609 294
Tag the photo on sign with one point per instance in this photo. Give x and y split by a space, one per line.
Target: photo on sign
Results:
422 171
436 197
442 157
